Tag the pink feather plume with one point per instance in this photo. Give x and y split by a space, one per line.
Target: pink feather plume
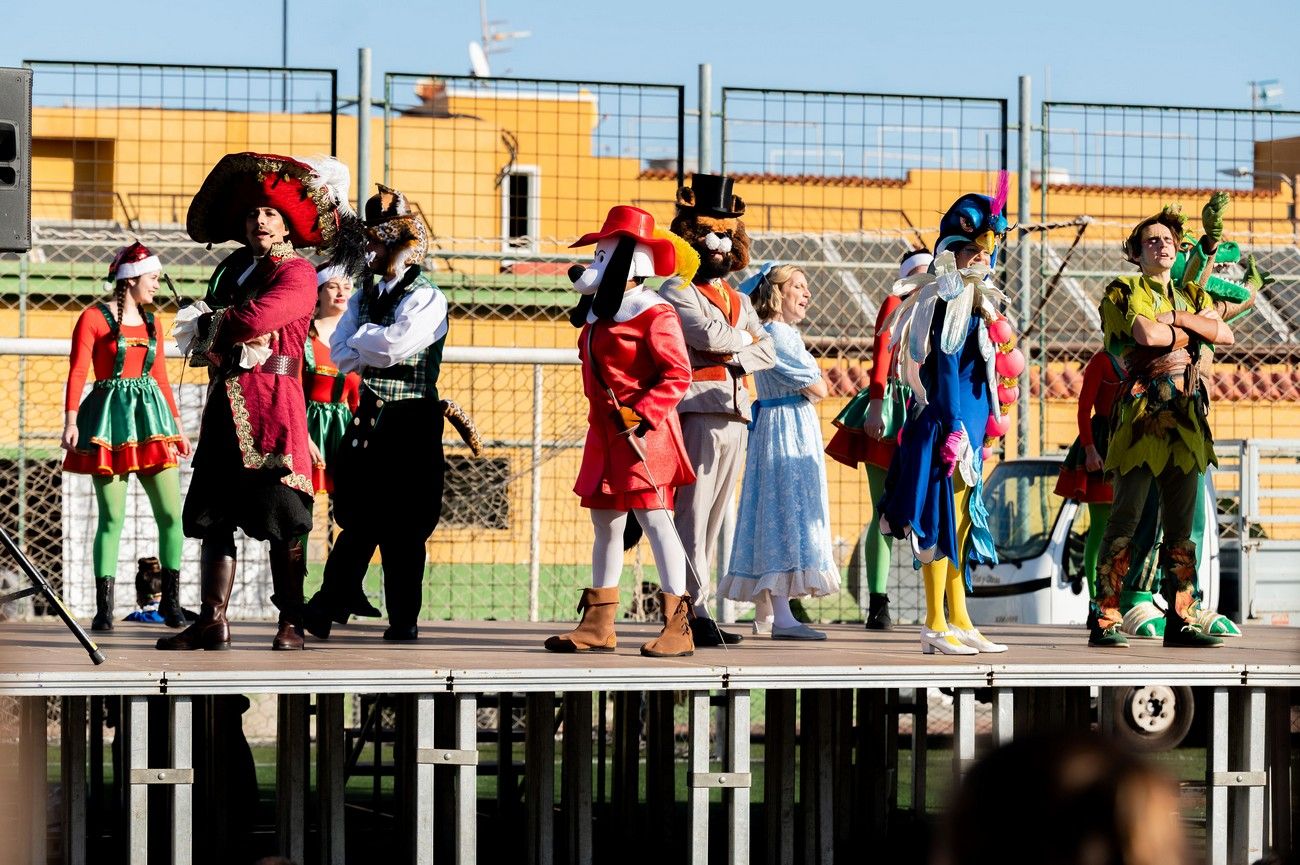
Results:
1001 192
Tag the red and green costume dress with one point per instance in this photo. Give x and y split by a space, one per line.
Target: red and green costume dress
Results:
127 423
332 399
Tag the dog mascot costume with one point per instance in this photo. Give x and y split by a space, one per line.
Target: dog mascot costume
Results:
634 372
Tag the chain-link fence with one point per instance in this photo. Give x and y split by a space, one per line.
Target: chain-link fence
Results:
843 184
507 172
1117 164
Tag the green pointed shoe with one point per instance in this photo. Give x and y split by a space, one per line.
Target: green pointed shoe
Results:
1212 623
1144 620
1109 637
1184 635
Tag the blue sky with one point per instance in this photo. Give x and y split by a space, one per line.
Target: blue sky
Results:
1185 53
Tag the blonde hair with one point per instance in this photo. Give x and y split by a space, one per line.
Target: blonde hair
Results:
767 294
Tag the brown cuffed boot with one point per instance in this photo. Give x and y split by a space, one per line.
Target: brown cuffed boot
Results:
288 569
210 630
595 633
675 640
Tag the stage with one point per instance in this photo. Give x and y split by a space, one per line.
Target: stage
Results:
1043 678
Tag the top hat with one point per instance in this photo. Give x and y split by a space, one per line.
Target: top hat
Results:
710 195
636 223
300 192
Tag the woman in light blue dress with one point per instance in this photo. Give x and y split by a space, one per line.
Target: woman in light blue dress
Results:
783 529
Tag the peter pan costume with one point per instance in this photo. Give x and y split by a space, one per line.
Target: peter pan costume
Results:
127 424
1159 437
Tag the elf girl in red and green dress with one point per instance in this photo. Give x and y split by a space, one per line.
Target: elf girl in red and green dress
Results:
128 424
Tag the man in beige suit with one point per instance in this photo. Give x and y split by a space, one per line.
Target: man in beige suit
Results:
726 343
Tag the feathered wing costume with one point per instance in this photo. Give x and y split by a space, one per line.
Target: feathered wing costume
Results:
955 352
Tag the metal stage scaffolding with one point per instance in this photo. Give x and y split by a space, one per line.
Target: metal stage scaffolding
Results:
173 807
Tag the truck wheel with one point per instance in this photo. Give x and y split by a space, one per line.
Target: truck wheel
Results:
1153 717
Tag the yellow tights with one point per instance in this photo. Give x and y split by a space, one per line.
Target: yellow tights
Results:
943 578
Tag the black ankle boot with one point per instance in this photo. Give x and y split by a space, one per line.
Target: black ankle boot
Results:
173 614
878 612
103 605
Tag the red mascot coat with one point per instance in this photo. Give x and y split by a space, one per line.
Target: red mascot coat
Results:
641 356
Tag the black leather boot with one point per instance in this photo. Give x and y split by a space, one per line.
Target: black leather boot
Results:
878 612
174 615
103 605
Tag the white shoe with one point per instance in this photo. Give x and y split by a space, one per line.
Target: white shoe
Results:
973 638
945 643
762 628
797 632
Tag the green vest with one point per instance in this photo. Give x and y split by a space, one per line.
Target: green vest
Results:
413 378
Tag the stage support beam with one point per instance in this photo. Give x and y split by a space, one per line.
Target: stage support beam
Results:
330 779
291 774
72 757
575 779
539 774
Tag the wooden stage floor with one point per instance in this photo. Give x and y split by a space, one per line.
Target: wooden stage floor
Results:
479 657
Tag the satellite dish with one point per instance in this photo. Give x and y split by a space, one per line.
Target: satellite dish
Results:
478 62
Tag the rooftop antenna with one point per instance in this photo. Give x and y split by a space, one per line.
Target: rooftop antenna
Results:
492 41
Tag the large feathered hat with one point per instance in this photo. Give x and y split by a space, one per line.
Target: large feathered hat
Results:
310 194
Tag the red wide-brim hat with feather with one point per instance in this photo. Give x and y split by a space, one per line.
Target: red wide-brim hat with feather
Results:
243 181
634 222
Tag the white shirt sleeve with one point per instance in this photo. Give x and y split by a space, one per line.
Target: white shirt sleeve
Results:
343 355
420 321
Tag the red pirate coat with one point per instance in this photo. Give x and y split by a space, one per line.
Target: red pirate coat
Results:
267 402
642 357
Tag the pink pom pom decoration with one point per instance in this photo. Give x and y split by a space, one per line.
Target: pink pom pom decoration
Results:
986 453
1010 364
1008 395
997 426
1000 331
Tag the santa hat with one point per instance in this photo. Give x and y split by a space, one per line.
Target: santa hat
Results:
132 261
311 196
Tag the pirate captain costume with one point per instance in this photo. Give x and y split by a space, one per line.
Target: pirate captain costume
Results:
392 334
127 424
635 370
252 468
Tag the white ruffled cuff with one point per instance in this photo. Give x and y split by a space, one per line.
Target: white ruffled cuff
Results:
185 328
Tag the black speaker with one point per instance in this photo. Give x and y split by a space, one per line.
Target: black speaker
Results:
15 160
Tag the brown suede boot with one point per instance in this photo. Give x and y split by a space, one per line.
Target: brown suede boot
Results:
675 640
210 630
288 569
595 633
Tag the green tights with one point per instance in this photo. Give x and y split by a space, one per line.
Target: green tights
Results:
1098 516
876 549
164 492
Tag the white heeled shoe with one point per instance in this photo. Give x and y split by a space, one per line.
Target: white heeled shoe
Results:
945 643
977 641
